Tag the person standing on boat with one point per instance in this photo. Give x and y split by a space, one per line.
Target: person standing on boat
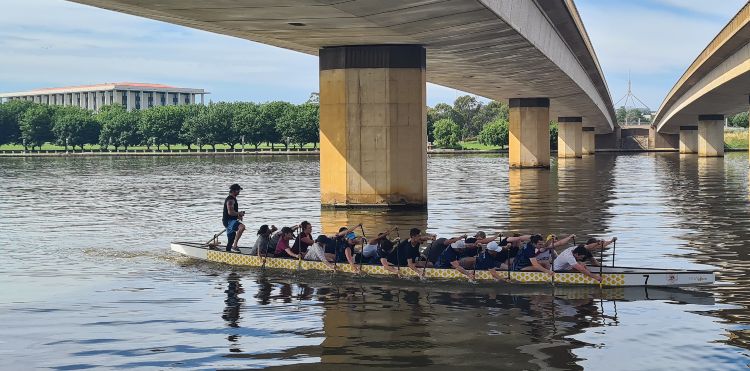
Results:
526 258
231 218
573 258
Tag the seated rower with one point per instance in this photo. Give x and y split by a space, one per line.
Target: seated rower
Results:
484 240
438 245
405 254
492 259
283 250
511 245
304 238
573 258
470 252
547 254
346 240
450 259
316 251
370 248
263 245
526 258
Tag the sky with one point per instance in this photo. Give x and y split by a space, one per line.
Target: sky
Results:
50 43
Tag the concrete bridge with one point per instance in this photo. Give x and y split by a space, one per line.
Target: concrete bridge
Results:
716 84
375 60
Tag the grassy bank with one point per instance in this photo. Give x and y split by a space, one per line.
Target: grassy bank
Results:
736 139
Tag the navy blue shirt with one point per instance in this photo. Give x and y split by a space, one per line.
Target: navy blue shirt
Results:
485 260
449 255
523 259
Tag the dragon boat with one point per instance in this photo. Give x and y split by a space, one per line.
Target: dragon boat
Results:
611 276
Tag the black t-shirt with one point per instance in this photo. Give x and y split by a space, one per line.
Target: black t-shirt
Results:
297 242
449 255
405 251
225 217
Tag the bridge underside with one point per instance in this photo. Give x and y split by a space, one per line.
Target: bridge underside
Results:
495 49
376 57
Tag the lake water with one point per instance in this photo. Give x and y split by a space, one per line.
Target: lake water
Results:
88 282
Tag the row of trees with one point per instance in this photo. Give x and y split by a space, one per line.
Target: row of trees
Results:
469 119
33 124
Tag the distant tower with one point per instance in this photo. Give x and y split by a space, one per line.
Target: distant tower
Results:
630 97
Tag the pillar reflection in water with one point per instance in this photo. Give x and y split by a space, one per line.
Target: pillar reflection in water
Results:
374 221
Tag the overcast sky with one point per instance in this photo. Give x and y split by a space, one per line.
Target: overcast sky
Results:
48 43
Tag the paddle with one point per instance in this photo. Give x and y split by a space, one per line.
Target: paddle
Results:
614 247
552 262
215 239
427 257
362 255
601 263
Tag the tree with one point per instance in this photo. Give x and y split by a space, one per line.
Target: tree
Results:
74 126
739 120
119 128
447 134
246 122
314 98
465 108
490 112
161 124
300 124
553 134
435 114
271 114
36 126
495 133
212 125
187 111
10 118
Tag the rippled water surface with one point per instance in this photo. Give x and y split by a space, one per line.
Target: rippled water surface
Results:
88 282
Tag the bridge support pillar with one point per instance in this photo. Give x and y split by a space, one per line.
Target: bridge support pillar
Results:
711 135
529 133
589 140
569 137
373 131
689 139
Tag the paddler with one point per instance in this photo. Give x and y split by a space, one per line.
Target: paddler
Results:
405 254
450 258
231 218
573 258
526 258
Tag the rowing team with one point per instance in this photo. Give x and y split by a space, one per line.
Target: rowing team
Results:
464 254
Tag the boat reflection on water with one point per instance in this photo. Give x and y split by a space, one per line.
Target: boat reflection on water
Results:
396 323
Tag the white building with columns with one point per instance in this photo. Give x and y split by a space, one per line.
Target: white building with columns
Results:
131 95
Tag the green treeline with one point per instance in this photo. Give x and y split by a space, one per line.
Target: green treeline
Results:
32 125
471 120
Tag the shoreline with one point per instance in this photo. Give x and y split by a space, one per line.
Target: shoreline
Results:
139 153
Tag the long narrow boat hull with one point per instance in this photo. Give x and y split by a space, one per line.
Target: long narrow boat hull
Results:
612 276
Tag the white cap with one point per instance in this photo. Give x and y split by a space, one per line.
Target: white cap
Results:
460 244
493 246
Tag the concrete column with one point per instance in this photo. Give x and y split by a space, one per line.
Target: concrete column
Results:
202 98
373 137
192 98
569 137
116 98
689 139
131 99
529 132
179 99
588 137
711 135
